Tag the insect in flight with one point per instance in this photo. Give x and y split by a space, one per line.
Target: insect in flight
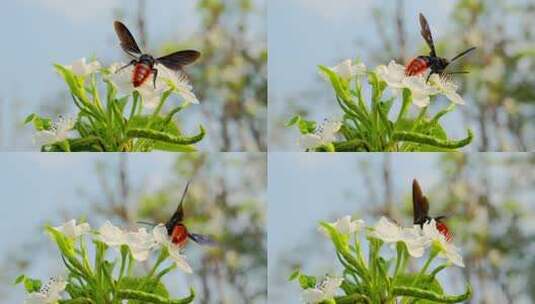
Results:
144 63
436 64
420 206
178 232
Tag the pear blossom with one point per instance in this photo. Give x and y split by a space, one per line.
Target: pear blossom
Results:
139 242
347 70
447 88
162 238
394 76
345 225
390 232
166 79
324 290
420 90
81 68
324 134
50 292
73 231
437 239
58 131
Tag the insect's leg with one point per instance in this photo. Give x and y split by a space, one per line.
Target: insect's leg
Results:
428 76
124 67
155 74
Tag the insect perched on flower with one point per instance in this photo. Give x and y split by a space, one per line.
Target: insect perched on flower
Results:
144 64
420 206
436 64
177 230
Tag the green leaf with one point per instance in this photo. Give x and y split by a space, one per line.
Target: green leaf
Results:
336 83
166 137
306 281
152 286
30 285
429 140
433 297
144 297
305 126
163 146
294 275
39 123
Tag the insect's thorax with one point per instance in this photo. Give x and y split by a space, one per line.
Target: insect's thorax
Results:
437 64
147 60
179 235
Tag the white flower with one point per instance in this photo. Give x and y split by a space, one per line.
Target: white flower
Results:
139 242
73 231
324 134
166 79
345 225
324 290
447 88
393 74
436 238
420 90
347 70
390 232
49 293
59 131
162 238
395 78
82 69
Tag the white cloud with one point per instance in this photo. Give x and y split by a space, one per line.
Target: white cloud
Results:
337 8
78 10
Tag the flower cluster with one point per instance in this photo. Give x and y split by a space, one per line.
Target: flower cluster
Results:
97 282
374 280
369 126
117 124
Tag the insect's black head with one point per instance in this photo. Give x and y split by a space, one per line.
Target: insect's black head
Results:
147 59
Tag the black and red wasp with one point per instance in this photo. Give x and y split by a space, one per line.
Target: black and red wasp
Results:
436 64
420 206
177 230
144 63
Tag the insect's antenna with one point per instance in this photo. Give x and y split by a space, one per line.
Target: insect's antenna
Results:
184 193
462 54
146 223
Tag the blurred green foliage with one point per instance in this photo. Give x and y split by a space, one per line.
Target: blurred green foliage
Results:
230 79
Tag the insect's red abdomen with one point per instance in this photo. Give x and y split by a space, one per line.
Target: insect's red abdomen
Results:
179 236
442 228
416 67
141 73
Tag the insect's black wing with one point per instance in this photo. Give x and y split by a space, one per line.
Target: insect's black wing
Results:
177 60
462 54
128 43
178 216
420 205
202 239
425 31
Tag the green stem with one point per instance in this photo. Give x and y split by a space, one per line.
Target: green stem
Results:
407 100
399 258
